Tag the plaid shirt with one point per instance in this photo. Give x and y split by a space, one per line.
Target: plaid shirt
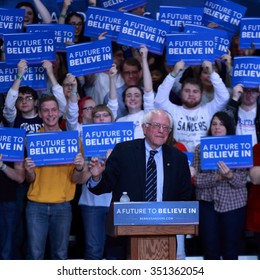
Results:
226 194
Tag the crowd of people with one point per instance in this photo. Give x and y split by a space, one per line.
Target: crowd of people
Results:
171 108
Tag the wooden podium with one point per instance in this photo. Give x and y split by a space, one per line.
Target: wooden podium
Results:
149 242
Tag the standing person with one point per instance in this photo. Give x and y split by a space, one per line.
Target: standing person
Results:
48 210
246 111
191 119
253 204
222 196
31 16
125 168
94 208
11 175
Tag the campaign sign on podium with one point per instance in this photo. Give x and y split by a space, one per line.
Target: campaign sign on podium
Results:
156 213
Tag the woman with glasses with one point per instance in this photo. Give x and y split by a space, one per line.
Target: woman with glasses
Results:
73 18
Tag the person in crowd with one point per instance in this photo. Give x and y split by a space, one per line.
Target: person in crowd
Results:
76 19
253 205
48 210
138 101
245 109
222 196
24 100
86 106
31 16
94 208
11 175
131 71
125 168
97 85
191 119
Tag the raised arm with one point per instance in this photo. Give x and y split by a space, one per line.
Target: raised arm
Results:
162 96
44 13
9 111
112 99
56 88
64 10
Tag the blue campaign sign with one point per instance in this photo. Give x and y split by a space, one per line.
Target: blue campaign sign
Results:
138 30
178 17
53 148
11 20
156 213
193 48
125 5
98 138
190 157
222 40
34 77
88 58
225 14
236 151
102 20
63 33
246 71
33 47
12 144
249 33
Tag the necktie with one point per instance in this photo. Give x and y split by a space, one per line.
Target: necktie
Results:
151 178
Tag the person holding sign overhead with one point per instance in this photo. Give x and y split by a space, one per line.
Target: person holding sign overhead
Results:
125 168
48 210
191 119
222 196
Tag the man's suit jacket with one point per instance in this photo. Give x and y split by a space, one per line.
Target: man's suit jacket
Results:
126 172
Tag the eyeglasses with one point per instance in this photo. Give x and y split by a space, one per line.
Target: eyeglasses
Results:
133 73
68 85
250 90
90 108
98 116
159 126
76 23
26 98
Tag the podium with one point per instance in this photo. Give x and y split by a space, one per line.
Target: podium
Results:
150 241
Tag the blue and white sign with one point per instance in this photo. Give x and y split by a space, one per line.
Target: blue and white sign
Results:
98 138
156 213
236 151
11 20
33 47
190 157
249 33
192 48
246 71
34 77
138 30
178 17
222 40
226 14
12 144
53 148
102 20
88 58
124 5
63 33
